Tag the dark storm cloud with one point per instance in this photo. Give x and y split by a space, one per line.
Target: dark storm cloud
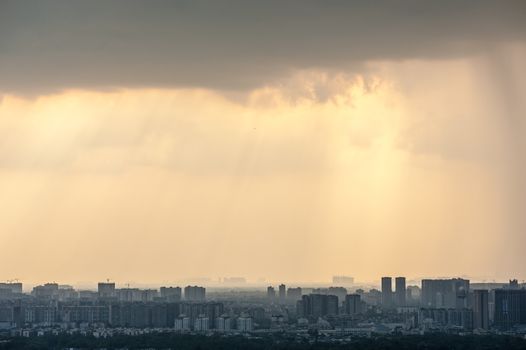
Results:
48 45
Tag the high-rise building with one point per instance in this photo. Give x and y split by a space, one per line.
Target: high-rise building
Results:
44 314
201 323
129 294
194 293
340 292
245 323
510 307
387 292
445 293
13 287
317 305
353 304
171 294
149 294
193 310
409 296
223 323
271 293
332 305
85 313
106 290
47 291
294 294
212 311
182 323
282 292
66 293
480 309
460 317
400 291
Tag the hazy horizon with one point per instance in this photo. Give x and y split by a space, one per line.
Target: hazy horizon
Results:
217 284
290 141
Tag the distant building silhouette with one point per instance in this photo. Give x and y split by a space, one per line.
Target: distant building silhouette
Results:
317 305
510 307
194 293
171 293
445 293
294 294
340 292
387 292
202 323
343 280
245 323
282 292
400 291
271 293
106 290
194 310
224 323
129 294
353 304
13 287
182 323
47 291
480 309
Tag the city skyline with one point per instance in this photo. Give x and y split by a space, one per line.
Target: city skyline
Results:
224 283
332 313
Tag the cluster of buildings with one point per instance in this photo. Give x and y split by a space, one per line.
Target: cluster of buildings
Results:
55 305
456 303
437 305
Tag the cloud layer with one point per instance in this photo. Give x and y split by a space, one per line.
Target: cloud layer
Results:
51 45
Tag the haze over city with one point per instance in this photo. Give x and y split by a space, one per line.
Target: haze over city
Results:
278 141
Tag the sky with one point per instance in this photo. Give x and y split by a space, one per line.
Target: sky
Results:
155 141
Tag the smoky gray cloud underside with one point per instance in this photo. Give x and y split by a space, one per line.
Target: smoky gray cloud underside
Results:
49 45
